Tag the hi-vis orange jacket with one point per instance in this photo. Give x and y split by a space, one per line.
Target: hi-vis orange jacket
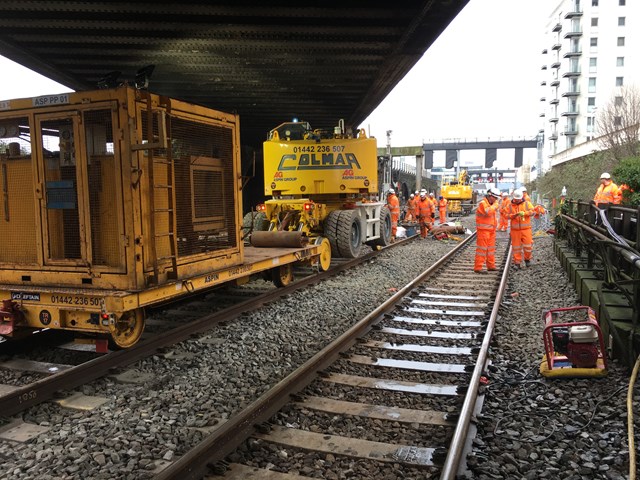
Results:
520 222
609 193
486 215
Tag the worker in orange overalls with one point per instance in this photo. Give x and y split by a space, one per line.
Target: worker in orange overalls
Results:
505 203
442 209
608 192
424 213
525 195
486 231
520 213
394 207
412 213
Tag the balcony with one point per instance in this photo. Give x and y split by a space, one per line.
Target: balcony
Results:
543 83
543 99
544 67
544 51
571 130
571 113
575 12
571 93
555 83
553 136
572 73
553 120
554 101
556 46
572 53
555 65
543 114
557 27
573 33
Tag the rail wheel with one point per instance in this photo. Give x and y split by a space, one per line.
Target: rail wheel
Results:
282 275
127 329
324 259
349 234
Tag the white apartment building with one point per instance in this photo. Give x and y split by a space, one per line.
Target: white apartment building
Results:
592 49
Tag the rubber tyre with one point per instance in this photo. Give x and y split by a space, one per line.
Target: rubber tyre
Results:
331 231
349 234
385 229
254 222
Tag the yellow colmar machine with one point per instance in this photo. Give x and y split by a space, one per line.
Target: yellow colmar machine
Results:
459 193
324 184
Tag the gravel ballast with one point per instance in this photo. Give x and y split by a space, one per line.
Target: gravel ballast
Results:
208 379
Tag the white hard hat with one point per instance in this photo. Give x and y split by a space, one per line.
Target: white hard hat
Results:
504 194
494 192
391 190
605 175
518 194
412 195
417 192
423 191
523 188
431 194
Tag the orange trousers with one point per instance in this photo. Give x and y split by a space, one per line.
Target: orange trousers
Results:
521 242
424 228
485 249
504 223
394 225
443 215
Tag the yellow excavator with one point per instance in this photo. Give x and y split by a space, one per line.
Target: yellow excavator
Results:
458 192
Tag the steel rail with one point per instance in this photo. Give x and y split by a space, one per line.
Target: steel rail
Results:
44 389
452 462
194 464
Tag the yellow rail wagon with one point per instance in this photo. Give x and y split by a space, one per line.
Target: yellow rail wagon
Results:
325 185
117 199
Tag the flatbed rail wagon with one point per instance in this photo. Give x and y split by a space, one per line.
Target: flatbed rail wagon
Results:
118 199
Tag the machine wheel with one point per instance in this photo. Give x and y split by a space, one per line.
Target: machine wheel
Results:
282 275
127 330
331 230
254 222
324 260
349 234
385 229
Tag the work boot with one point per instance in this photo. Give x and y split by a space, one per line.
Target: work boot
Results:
479 271
527 263
517 266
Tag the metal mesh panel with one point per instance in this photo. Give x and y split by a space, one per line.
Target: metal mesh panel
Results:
199 170
60 189
17 204
102 178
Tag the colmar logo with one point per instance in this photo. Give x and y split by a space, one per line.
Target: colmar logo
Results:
313 161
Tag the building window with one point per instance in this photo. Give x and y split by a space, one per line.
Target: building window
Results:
593 64
594 3
571 142
590 124
621 41
620 62
622 3
619 81
592 84
618 101
591 104
621 21
593 41
594 21
617 121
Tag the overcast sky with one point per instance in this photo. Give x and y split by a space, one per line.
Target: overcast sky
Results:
480 79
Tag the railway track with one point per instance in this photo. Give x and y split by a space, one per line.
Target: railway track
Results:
394 395
31 377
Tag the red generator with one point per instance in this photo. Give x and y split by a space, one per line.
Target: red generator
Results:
573 348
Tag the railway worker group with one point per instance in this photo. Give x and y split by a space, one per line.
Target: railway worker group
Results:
516 212
421 208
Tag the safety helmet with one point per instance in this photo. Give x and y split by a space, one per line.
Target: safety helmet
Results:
417 192
518 194
523 188
431 194
505 194
494 192
423 191
391 191
440 197
423 194
606 176
411 196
